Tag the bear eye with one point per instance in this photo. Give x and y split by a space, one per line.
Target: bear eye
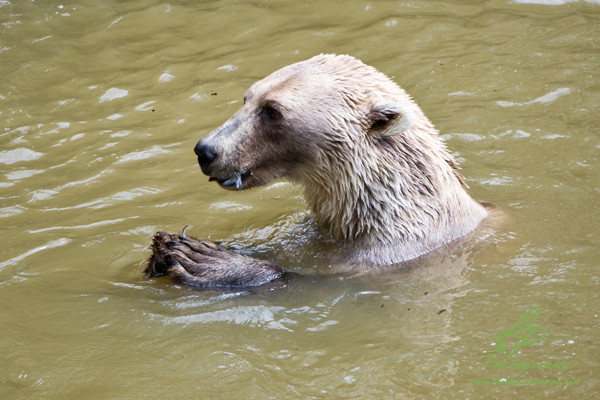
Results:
272 113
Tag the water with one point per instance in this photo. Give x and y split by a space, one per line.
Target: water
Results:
101 104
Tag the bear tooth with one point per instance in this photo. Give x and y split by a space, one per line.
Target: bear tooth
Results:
236 180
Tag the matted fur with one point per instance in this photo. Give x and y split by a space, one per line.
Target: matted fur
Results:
374 170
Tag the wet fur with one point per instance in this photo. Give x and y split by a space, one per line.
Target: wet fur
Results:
374 170
207 264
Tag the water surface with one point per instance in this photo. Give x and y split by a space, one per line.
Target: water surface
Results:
101 104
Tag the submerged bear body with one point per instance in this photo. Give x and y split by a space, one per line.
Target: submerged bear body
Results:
374 170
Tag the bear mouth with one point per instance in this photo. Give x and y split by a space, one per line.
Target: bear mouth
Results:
235 182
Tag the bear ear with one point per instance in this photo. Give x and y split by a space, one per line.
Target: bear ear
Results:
390 119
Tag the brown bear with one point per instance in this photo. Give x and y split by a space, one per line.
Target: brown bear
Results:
374 170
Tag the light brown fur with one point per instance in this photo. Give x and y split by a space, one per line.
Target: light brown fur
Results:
374 170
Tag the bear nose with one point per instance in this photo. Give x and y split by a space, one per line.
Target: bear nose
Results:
206 153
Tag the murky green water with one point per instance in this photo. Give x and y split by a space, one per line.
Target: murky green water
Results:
101 103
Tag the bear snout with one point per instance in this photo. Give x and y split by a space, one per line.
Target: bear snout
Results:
206 154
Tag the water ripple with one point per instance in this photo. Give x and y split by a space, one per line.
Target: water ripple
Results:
18 155
85 226
113 94
547 98
144 154
264 316
51 244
